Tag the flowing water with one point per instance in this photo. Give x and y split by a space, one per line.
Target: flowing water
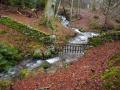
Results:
30 64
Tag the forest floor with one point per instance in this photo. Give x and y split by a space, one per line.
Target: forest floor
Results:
86 17
92 20
84 74
17 39
37 23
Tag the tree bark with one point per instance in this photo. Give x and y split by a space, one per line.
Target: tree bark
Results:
50 9
78 12
106 14
71 10
23 4
59 4
94 5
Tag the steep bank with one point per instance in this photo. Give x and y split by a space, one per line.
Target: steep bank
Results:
81 75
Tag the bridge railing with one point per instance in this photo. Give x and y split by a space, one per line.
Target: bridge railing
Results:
75 49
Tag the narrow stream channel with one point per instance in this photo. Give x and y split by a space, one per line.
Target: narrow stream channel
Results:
80 38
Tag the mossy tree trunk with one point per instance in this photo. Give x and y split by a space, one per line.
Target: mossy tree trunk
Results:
50 13
50 9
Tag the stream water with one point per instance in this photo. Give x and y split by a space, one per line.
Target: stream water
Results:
30 64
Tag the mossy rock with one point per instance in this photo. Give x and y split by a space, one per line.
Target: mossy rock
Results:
45 65
37 54
24 73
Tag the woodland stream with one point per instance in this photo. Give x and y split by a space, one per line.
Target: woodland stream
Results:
30 64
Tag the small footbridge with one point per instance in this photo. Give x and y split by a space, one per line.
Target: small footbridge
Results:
71 49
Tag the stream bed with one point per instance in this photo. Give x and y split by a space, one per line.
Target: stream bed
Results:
30 64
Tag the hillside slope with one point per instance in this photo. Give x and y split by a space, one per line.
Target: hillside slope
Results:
81 75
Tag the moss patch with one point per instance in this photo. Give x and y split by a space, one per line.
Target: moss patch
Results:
28 31
104 37
111 77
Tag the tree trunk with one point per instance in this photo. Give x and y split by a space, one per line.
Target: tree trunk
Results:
107 13
23 4
94 5
71 10
50 9
58 7
78 12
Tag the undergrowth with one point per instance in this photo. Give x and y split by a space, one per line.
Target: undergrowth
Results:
111 77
